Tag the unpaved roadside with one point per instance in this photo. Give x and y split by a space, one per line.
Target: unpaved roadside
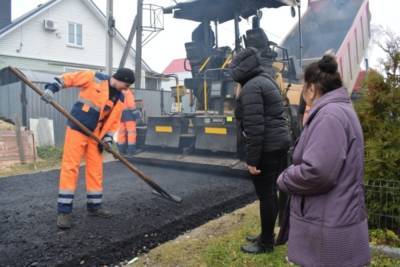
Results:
217 244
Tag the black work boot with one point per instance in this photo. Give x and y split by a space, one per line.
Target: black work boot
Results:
252 238
64 221
100 212
257 248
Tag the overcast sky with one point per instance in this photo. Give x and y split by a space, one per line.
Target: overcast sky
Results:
169 43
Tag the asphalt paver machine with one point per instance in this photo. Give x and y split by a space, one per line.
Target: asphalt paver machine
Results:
209 136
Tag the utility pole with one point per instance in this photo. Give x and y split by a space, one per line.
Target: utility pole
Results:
110 32
300 39
128 44
216 34
138 56
237 34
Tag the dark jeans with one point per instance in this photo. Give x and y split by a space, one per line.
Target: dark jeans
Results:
272 164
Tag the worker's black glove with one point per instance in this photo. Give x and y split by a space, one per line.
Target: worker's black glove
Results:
50 90
107 140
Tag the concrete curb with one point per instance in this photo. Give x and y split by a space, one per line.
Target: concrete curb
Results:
389 251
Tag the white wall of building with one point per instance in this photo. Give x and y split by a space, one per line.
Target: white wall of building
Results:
30 40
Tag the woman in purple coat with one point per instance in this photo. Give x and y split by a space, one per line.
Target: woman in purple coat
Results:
328 220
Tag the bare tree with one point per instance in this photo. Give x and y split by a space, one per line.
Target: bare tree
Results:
389 42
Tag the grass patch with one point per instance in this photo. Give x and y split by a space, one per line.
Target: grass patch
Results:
197 247
217 244
384 237
225 251
18 169
380 260
51 153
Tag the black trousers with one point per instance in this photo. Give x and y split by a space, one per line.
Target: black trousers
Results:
272 164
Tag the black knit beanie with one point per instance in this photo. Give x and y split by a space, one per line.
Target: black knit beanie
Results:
125 75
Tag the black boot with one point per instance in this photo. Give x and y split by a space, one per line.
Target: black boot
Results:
257 248
253 238
100 212
64 221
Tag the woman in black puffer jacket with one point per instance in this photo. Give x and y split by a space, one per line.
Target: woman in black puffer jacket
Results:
261 113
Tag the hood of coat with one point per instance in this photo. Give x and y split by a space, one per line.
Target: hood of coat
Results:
338 95
246 65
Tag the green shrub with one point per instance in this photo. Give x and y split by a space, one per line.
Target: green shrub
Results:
379 113
49 153
384 237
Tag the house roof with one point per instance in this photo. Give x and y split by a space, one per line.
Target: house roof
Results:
177 66
324 27
43 7
25 17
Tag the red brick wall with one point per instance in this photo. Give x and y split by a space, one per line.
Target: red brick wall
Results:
9 148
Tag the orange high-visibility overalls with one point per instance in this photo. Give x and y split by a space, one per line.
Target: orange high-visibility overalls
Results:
102 116
127 130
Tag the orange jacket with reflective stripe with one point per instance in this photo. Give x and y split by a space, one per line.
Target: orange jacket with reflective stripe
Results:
129 113
129 100
94 109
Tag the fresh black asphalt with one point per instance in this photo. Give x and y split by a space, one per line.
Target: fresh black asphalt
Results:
142 220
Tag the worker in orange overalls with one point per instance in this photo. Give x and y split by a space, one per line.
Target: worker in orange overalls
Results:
127 129
99 107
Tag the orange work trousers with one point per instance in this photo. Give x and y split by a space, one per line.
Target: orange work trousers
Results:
127 137
78 146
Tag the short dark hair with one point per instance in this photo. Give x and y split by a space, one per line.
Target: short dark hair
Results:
324 74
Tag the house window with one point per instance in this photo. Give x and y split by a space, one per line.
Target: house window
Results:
74 34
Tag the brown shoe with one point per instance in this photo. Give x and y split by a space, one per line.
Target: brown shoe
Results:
64 221
101 213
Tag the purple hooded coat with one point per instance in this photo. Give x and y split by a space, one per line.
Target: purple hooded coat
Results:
328 220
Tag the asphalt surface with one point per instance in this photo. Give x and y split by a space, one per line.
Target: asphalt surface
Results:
141 221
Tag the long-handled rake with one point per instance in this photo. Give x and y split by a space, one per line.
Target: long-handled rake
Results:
118 156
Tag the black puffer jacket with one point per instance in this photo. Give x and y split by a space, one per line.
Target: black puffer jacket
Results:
260 108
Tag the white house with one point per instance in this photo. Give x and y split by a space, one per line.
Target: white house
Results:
59 36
